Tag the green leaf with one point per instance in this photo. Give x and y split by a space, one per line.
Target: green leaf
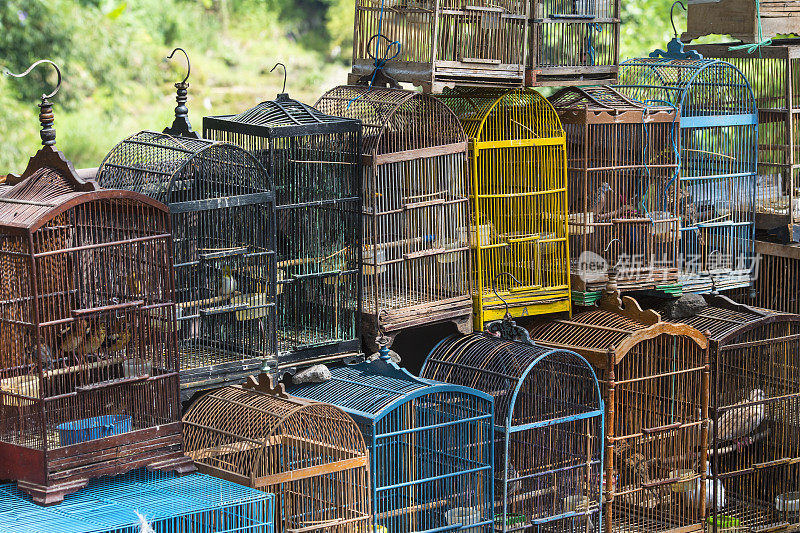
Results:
117 11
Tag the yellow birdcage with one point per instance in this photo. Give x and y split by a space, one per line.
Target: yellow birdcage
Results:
519 202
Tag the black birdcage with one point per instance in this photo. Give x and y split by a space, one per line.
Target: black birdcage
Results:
315 161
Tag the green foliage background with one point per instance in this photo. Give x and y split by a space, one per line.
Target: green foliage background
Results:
116 81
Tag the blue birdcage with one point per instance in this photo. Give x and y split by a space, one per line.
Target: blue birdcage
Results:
548 427
719 154
123 504
431 452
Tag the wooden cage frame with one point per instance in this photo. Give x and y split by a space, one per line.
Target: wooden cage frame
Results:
740 19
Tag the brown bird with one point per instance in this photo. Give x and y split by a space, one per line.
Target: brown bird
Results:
119 337
94 340
72 337
601 199
742 419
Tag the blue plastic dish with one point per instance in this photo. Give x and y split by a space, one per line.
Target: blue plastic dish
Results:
93 428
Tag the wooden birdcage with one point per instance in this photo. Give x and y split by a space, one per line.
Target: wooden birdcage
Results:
311 455
622 156
441 44
88 366
655 382
573 42
430 446
519 202
416 209
314 160
776 278
774 75
718 147
747 20
548 424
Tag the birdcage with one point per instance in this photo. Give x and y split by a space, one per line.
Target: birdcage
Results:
718 144
745 20
221 203
548 425
621 157
774 74
519 202
144 502
430 446
88 368
416 212
310 455
776 279
440 44
655 381
573 42
315 162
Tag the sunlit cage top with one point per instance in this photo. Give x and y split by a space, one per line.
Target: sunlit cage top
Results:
416 213
622 156
222 205
548 428
430 445
304 452
315 162
719 143
519 202
654 376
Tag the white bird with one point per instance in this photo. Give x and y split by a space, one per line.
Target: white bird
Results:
710 491
740 419
144 526
228 282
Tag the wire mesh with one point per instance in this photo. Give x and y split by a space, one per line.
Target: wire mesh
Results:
548 429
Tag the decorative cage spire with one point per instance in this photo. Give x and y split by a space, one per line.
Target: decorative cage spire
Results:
46 116
181 127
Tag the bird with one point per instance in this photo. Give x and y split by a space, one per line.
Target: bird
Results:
228 282
601 199
514 485
710 482
144 525
45 358
119 337
135 286
94 339
72 337
740 419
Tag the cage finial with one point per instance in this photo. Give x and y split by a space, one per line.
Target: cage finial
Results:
283 91
507 328
46 116
383 348
181 127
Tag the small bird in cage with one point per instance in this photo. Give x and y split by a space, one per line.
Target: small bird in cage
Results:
72 337
94 340
600 200
228 282
135 286
45 357
739 422
119 337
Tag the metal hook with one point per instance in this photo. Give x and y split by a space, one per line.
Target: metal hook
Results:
671 10
494 289
188 65
610 243
284 75
58 71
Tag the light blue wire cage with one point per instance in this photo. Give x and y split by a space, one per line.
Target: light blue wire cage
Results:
431 453
549 422
719 156
195 503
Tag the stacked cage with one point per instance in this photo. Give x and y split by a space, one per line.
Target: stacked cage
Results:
430 446
548 426
774 74
519 202
416 208
314 160
311 455
655 384
573 42
744 20
222 205
622 157
718 152
776 282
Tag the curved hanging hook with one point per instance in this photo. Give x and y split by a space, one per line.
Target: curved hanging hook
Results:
494 289
30 68
671 12
283 91
188 65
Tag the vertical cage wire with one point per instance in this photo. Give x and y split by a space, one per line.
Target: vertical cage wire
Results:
776 283
87 320
312 456
315 162
548 427
519 202
430 446
416 207
222 205
719 142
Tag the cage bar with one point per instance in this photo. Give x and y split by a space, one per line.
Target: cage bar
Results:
776 281
416 209
548 427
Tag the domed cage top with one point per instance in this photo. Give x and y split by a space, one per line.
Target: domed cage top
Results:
430 446
88 370
222 205
655 382
315 162
548 428
622 158
718 159
311 455
519 202
416 212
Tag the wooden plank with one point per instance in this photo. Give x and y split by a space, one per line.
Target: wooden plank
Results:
313 471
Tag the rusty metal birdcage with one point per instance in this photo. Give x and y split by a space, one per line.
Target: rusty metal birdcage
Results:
718 147
416 209
311 455
88 366
573 42
519 202
776 282
315 162
548 424
655 381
